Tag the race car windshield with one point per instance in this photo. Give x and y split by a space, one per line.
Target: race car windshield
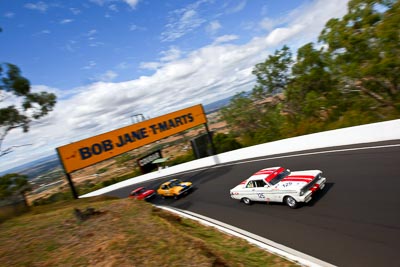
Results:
174 183
137 192
279 177
141 191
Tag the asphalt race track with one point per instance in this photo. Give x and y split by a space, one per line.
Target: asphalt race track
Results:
355 221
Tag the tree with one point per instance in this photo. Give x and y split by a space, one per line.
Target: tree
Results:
273 74
225 143
364 47
14 184
312 85
351 79
257 116
241 114
20 106
272 122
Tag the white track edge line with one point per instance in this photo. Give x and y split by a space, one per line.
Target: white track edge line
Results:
305 154
266 244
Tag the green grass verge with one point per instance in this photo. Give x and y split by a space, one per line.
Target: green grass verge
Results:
125 233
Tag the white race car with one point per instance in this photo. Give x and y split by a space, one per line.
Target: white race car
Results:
278 184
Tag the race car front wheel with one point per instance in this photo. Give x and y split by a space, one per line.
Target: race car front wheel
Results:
291 202
246 201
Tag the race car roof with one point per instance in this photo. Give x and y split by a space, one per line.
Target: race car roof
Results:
137 189
170 181
267 174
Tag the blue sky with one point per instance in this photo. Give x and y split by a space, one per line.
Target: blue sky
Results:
65 44
108 59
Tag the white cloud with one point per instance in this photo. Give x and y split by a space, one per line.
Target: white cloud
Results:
90 65
170 55
239 7
9 15
310 19
96 44
99 2
71 46
61 94
75 11
226 38
280 35
213 27
43 32
167 56
187 22
123 66
183 21
264 10
91 32
150 65
108 76
132 3
267 24
135 27
212 72
66 21
113 8
39 6
92 38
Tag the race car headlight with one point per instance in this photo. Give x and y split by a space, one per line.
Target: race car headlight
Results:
302 192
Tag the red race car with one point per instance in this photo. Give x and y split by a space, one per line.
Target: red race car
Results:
142 193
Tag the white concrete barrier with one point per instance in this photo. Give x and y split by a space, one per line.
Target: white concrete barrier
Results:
382 131
375 132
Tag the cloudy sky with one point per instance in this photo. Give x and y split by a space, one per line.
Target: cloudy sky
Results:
109 59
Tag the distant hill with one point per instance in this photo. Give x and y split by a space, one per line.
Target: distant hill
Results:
212 107
36 167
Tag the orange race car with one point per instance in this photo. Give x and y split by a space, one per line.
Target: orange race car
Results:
174 188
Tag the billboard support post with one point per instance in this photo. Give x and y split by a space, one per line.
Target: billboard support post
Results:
210 139
71 184
68 175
